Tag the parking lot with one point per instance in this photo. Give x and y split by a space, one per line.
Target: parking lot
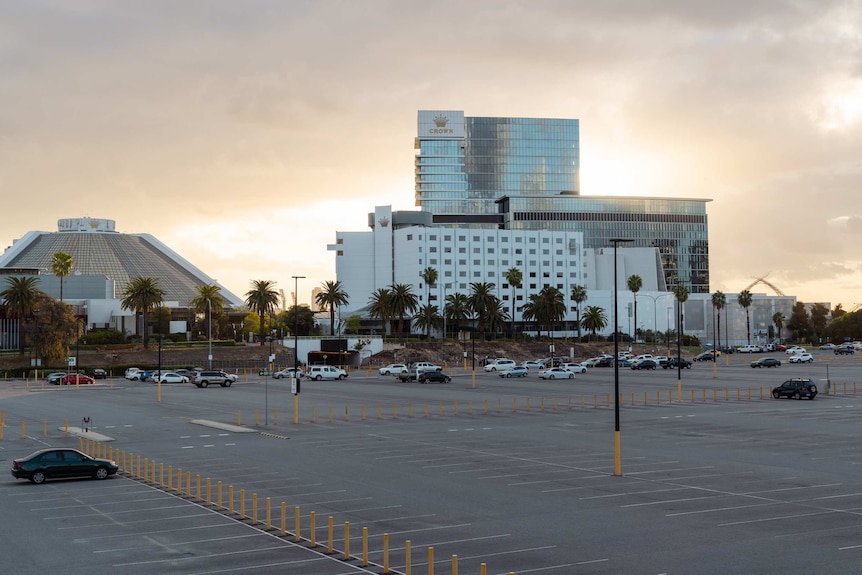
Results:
515 474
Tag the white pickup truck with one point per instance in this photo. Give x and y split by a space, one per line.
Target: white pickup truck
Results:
749 349
425 366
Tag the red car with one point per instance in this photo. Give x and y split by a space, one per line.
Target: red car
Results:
71 378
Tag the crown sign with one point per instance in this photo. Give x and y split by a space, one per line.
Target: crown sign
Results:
384 221
441 121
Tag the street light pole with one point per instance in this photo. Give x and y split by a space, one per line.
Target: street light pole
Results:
617 455
296 322
210 334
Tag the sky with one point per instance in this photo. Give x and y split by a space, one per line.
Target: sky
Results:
244 134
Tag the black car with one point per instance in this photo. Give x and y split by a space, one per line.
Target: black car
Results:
766 362
434 377
843 350
797 388
607 361
645 364
99 373
60 463
676 361
705 356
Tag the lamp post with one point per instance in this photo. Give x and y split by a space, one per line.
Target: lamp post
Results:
655 299
296 322
209 334
617 456
159 378
667 333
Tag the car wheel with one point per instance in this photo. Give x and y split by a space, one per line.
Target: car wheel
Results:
571 376
317 378
797 396
551 376
776 395
508 375
38 477
340 376
204 384
101 473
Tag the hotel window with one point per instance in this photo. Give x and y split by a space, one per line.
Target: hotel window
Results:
462 275
432 238
339 253
532 286
462 250
447 262
504 262
462 238
559 252
476 239
433 249
433 262
544 240
447 250
462 262
518 251
532 274
447 238
532 252
477 262
477 274
505 239
546 252
492 262
519 240
409 237
476 250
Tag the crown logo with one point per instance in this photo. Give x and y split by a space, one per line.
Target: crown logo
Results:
440 120
384 222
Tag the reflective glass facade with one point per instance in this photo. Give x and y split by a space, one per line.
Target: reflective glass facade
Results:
495 157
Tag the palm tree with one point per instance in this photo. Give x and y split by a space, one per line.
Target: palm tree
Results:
457 309
496 315
20 299
262 299
579 296
380 306
681 294
514 277
142 295
61 265
546 307
719 301
635 283
778 319
744 299
427 317
403 301
595 319
331 297
429 276
480 300
208 300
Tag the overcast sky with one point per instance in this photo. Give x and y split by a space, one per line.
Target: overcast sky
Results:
243 134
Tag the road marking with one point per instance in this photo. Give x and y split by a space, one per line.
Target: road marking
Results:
776 518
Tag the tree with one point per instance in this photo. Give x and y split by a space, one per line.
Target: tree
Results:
480 300
402 301
496 316
142 294
838 311
428 317
818 319
380 306
514 277
681 294
330 297
49 331
61 265
298 320
635 283
778 320
744 299
353 323
262 299
20 297
579 296
457 309
799 323
595 319
546 307
719 301
207 301
429 276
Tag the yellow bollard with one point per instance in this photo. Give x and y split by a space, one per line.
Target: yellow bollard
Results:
633 399
426 409
330 415
483 569
138 475
704 395
430 561
455 412
170 478
314 415
23 435
738 394
218 495
555 401
45 425
726 394
658 397
346 413
146 470
715 394
441 409
331 533
514 404
209 492
161 475
470 403
188 483
454 565
346 540
254 508
238 418
410 410
749 393
386 553
153 472
283 518
242 503
230 499
257 417
312 528
275 417
365 546
296 517
394 411
408 560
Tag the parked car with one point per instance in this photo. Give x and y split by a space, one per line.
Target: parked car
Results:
186 372
100 373
434 377
556 373
749 349
172 377
625 362
392 369
605 361
797 388
795 349
591 362
766 362
705 356
132 373
677 361
205 378
75 378
574 367
426 366
645 364
843 350
517 371
318 372
59 463
500 363
54 378
802 358
828 346
289 372
661 359
532 364
410 375
232 377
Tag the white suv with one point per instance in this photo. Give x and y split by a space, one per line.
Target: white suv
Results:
500 364
574 367
318 372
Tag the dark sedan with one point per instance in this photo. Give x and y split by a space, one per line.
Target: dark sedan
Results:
645 364
434 377
766 362
61 463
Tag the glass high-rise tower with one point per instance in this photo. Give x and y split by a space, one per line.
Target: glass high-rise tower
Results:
523 173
